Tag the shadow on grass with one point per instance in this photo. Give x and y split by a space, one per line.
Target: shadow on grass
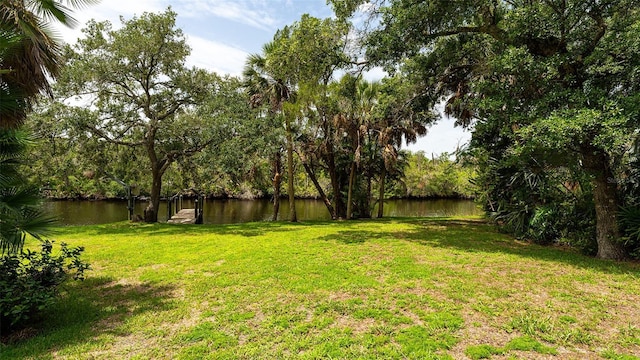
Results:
128 228
87 310
478 236
249 229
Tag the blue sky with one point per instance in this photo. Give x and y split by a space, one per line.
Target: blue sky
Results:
222 33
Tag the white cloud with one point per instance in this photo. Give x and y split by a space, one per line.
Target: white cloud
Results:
442 137
253 13
207 54
215 56
110 10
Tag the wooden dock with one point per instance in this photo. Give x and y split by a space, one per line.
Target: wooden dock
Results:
184 216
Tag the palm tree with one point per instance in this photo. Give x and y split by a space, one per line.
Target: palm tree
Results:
20 213
397 122
29 60
266 90
356 119
29 52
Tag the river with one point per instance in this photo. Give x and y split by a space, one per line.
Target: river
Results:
228 211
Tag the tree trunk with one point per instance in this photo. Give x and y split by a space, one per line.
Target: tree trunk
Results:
352 176
605 198
151 212
314 180
339 208
365 211
330 160
383 176
277 182
293 217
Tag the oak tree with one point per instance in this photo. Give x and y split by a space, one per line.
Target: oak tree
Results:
132 88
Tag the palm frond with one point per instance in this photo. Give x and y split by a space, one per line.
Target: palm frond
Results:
51 10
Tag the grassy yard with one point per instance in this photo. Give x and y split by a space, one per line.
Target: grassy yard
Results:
399 288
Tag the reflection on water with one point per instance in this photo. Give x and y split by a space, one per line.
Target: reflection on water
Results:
70 212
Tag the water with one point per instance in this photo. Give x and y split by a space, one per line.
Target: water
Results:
81 212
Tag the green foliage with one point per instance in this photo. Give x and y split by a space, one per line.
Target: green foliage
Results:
569 130
630 227
438 177
29 55
29 282
550 88
304 57
149 110
19 201
533 203
307 52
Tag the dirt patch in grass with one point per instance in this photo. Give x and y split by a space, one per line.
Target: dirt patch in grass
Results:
219 262
357 326
376 254
258 315
339 296
129 346
481 330
412 316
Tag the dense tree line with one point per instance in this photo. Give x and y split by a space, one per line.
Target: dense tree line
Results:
139 115
550 89
60 171
553 109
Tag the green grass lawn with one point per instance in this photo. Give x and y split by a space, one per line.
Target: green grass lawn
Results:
399 288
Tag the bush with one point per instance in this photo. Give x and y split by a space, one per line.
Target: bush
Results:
29 282
629 219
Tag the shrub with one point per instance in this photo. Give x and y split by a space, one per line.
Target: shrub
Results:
629 219
29 282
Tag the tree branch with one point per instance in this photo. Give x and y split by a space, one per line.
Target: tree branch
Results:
601 30
491 29
103 135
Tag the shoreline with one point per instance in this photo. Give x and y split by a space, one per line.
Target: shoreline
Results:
227 197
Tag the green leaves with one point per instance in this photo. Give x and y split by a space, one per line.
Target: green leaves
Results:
571 129
134 99
29 282
308 51
545 84
19 201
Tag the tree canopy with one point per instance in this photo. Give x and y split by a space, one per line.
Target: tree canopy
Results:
549 89
134 90
562 70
